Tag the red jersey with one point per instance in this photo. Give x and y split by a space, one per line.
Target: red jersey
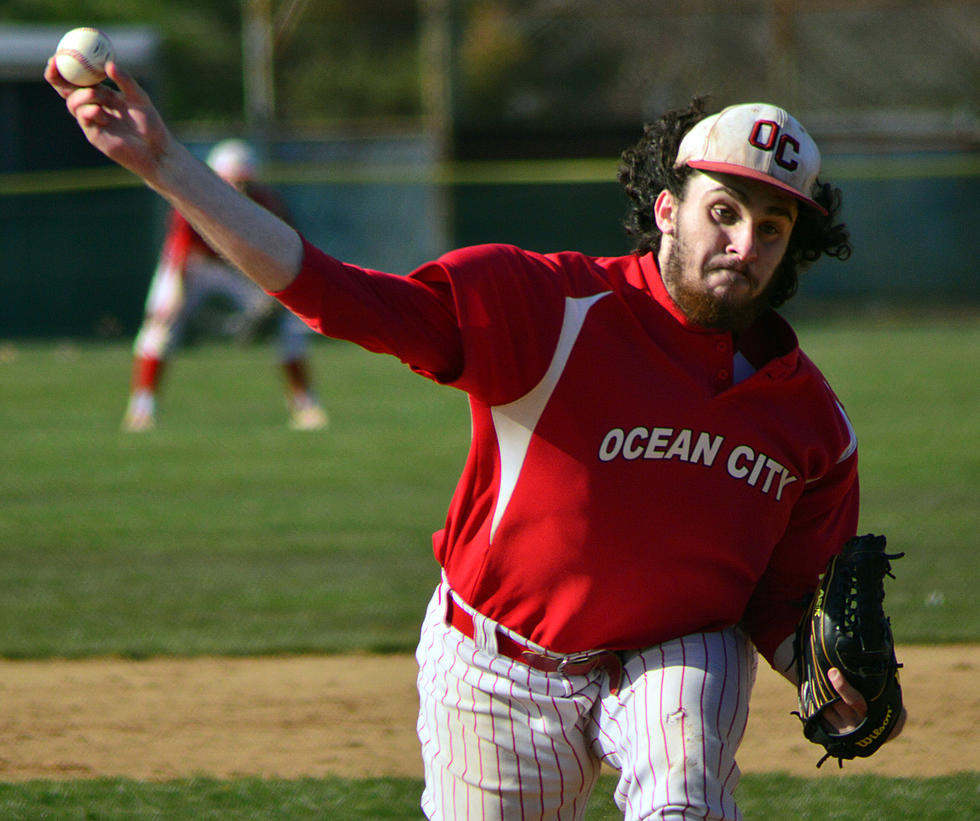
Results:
632 477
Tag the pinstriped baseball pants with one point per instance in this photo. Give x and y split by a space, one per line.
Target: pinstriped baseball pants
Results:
503 741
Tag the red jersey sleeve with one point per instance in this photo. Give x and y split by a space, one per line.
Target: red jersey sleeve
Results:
483 319
508 306
406 317
823 519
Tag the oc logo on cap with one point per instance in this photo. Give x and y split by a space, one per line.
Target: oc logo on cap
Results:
759 141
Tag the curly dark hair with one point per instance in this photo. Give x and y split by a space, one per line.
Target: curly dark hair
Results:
647 168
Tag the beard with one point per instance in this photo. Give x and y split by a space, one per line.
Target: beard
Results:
729 312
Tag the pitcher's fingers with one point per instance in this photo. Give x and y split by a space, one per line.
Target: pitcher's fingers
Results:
130 89
83 101
849 694
56 81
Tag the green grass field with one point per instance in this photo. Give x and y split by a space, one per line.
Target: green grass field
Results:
223 532
765 798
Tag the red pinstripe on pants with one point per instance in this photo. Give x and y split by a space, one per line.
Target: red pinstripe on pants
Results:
503 741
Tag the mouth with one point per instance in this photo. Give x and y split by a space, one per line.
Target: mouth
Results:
728 277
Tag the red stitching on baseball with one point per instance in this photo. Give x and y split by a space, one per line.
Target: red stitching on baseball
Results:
76 54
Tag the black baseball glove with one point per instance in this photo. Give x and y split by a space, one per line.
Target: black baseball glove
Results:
846 627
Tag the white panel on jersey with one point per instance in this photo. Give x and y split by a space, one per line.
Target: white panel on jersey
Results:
514 423
852 445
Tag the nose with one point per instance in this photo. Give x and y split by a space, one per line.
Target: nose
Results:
742 242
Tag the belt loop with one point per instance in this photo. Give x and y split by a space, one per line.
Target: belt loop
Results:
485 633
443 602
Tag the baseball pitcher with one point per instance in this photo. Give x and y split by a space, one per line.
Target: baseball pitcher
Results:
658 475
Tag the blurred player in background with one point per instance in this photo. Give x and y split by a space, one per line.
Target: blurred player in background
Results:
190 275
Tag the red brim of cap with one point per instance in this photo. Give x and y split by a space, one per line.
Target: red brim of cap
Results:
751 173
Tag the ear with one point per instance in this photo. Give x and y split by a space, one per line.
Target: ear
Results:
665 212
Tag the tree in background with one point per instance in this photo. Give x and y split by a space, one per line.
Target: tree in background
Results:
334 59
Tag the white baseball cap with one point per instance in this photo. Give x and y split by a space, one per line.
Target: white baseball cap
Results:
759 141
233 160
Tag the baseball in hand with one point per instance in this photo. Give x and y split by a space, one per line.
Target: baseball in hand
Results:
81 56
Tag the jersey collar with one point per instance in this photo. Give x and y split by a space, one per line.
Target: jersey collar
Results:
655 285
769 343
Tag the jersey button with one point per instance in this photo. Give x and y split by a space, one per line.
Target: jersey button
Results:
723 375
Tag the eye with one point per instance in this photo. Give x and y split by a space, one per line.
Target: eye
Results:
724 214
773 230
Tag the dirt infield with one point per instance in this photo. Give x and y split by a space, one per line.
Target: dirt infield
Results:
354 716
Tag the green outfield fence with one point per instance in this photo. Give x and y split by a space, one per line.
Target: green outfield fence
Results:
79 246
